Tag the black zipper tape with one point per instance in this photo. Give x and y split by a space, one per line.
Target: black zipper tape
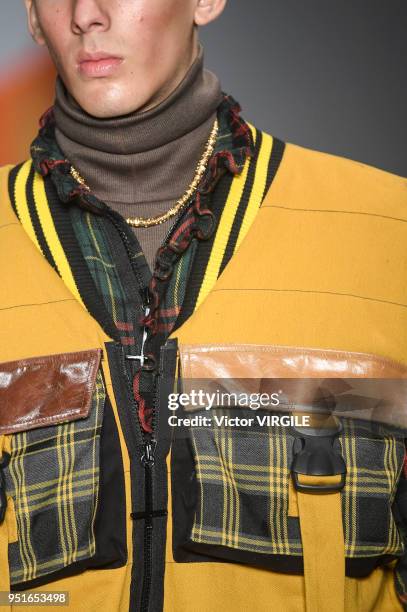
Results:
148 540
127 410
149 480
4 461
148 476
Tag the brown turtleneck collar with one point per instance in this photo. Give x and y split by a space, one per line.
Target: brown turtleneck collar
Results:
145 156
141 163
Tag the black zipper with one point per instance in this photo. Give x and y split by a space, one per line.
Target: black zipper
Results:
148 444
147 441
148 460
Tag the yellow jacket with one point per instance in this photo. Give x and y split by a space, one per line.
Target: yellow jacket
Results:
321 268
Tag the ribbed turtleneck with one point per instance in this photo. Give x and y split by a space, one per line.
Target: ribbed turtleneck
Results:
140 164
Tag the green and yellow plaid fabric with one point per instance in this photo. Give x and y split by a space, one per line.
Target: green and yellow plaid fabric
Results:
53 478
84 248
243 479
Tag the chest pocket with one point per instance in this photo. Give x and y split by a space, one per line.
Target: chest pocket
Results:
52 410
232 490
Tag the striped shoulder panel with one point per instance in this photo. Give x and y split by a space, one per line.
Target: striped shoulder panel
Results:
237 205
31 204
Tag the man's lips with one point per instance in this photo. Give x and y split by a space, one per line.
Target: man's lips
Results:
99 64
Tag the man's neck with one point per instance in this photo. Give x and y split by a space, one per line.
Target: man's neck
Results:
142 163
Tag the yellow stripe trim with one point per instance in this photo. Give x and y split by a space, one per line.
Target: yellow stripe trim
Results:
259 185
50 233
223 232
22 203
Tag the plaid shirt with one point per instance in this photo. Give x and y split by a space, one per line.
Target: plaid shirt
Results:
95 235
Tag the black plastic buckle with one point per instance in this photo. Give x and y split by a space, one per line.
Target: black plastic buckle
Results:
3 499
315 455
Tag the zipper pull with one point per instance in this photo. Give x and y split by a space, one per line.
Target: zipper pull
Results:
147 458
146 306
142 357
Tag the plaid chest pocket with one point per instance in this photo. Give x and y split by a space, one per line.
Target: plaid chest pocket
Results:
232 493
232 486
52 477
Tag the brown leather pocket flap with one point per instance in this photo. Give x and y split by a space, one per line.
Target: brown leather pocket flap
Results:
358 385
46 390
273 361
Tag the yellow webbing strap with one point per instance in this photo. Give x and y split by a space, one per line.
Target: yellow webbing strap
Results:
323 546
